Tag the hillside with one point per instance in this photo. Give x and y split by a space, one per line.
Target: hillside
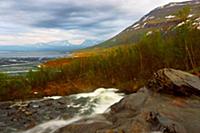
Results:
127 67
162 18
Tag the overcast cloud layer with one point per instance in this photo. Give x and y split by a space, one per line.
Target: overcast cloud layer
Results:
33 21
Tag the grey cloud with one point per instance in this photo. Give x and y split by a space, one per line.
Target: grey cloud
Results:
97 17
69 14
64 15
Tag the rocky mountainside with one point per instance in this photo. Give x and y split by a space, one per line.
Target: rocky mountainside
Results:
169 103
162 18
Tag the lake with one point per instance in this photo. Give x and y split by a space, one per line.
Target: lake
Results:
21 62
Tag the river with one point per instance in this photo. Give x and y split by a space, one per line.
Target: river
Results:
48 114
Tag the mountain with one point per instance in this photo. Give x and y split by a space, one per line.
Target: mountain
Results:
64 46
162 18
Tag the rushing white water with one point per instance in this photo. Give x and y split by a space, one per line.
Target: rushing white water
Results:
99 100
52 126
53 97
102 99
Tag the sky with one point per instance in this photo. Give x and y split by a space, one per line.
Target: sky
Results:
24 22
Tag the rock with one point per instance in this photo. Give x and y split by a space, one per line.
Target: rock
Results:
166 105
154 113
155 124
22 115
28 113
138 99
36 106
87 125
175 82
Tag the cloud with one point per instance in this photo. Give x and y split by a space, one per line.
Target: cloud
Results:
32 21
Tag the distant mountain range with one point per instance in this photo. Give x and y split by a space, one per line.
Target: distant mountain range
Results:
64 46
163 18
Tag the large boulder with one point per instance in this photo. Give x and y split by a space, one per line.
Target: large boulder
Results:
148 111
175 82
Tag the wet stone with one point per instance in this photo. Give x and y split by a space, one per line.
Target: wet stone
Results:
25 115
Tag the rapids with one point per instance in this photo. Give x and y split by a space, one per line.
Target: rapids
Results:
96 102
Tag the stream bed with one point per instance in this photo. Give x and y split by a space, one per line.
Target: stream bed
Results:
48 114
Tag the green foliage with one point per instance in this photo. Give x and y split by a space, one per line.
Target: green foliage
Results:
3 83
126 67
184 12
9 85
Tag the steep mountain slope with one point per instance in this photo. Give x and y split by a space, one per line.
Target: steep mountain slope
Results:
162 18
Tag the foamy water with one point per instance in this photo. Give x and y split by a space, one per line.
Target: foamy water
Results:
99 100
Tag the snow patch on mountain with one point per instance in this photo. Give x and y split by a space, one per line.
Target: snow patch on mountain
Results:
180 24
176 4
144 25
149 33
170 16
190 15
136 25
148 18
197 19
